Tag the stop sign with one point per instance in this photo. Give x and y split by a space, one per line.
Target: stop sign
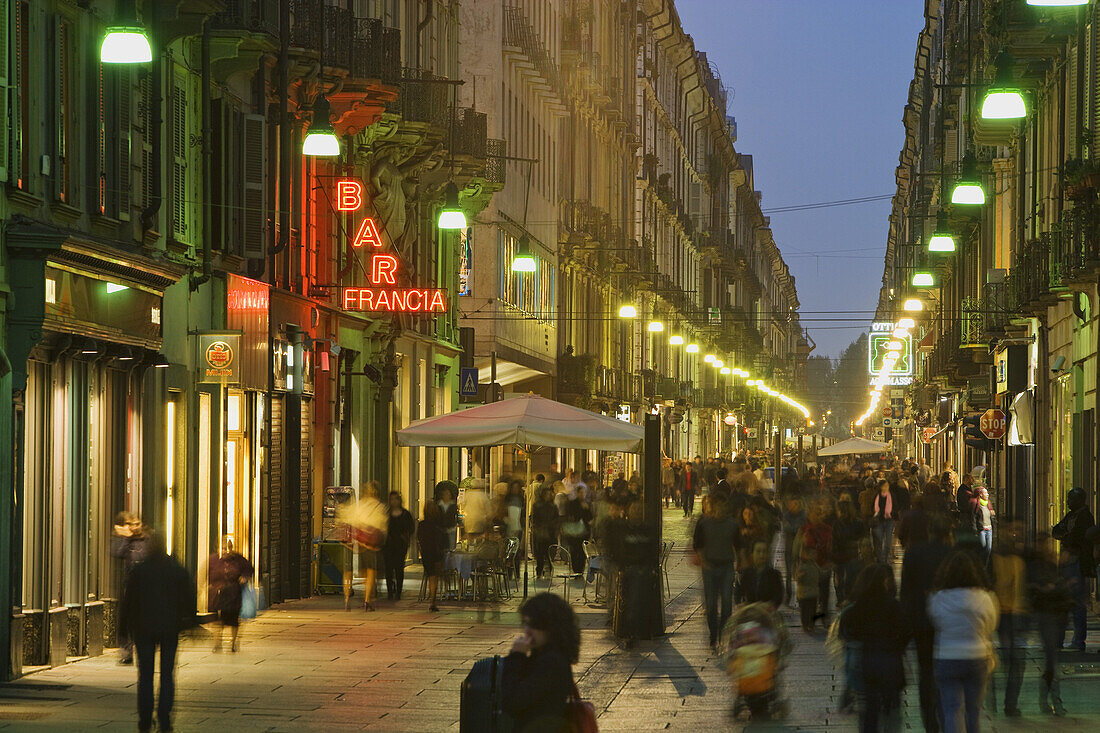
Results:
993 424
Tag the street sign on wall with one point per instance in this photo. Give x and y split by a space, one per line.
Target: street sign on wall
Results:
878 434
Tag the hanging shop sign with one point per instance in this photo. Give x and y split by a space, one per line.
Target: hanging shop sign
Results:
384 295
880 337
219 356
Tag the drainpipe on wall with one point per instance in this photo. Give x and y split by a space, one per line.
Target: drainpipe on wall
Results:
383 416
207 173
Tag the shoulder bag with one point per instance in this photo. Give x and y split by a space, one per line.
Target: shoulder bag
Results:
581 714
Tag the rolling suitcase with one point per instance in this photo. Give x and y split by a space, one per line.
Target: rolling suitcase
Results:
480 699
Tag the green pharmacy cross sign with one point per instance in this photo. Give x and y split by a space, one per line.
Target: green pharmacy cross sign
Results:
879 342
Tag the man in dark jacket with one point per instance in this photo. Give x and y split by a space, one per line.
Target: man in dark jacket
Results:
1077 561
918 572
158 603
721 487
128 542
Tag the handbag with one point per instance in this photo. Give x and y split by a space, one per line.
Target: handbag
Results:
581 714
573 529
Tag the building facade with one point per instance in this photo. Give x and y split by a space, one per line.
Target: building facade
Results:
626 187
197 327
207 327
1010 320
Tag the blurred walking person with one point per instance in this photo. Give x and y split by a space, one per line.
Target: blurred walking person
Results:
1076 560
130 544
157 604
882 522
875 620
432 538
714 543
926 551
544 528
234 570
1050 596
1009 583
964 613
399 534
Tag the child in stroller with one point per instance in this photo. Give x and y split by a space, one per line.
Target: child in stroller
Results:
756 645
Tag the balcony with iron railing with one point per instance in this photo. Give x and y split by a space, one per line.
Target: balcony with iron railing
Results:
1077 255
519 34
375 51
972 324
307 20
255 16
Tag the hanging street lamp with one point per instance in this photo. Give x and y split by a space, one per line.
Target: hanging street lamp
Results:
524 261
451 216
321 140
1003 100
968 189
125 44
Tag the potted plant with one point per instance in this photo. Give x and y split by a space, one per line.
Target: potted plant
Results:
1080 178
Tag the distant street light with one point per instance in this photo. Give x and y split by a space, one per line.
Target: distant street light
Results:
628 311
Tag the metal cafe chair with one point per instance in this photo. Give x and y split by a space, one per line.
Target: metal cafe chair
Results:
593 570
666 550
561 566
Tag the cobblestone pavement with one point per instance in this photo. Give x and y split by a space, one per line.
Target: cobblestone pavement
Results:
310 665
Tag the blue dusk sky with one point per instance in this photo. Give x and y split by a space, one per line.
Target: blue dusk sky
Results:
818 88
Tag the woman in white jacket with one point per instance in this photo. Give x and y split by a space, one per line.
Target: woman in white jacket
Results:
964 613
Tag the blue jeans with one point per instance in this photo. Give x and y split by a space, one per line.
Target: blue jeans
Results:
961 683
1072 572
985 538
883 532
717 583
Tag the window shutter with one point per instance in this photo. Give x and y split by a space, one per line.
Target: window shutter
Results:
5 136
123 135
254 219
1093 118
60 165
103 176
145 113
179 160
1071 103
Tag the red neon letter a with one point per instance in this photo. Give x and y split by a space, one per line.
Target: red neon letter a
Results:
349 195
382 268
367 234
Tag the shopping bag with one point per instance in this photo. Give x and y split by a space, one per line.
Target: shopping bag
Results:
248 602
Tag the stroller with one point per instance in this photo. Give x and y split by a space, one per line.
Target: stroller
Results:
756 645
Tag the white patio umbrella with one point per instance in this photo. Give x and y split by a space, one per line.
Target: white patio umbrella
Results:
529 421
853 446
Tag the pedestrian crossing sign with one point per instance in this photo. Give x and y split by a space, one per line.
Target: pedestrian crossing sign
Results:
467 380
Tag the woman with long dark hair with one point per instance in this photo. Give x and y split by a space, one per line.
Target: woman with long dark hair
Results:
876 621
537 680
964 614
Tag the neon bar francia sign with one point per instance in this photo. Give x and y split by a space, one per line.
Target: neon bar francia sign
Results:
384 295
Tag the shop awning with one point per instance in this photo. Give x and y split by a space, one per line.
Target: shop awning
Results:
524 420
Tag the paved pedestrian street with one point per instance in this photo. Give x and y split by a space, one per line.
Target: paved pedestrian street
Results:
311 666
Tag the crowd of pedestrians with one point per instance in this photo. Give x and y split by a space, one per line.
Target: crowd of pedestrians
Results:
966 581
